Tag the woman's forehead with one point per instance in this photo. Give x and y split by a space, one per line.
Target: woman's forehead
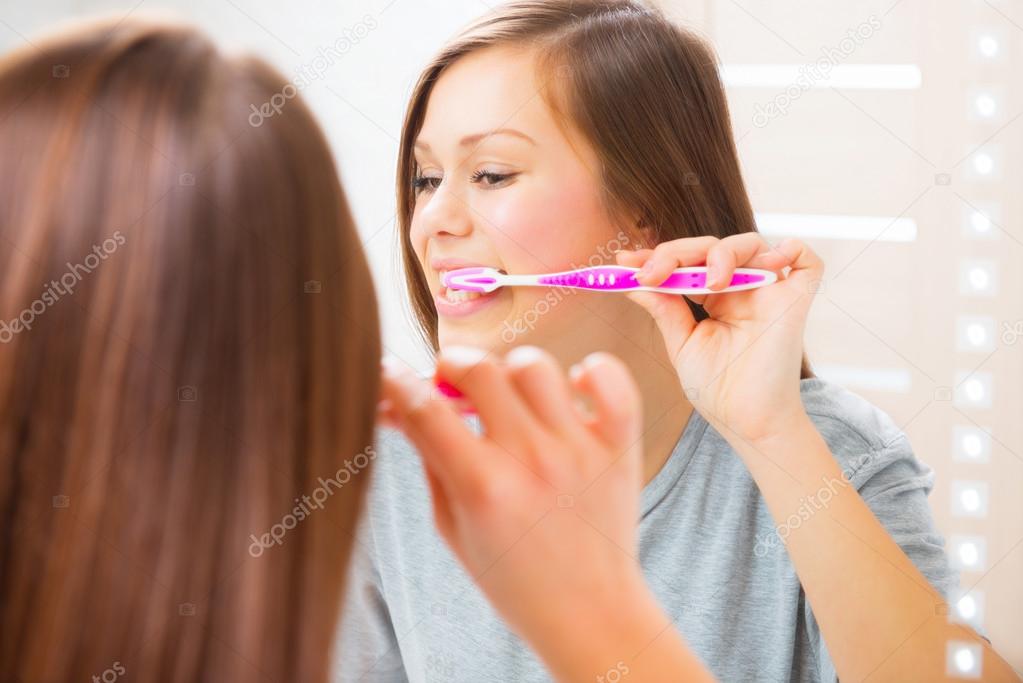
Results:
490 89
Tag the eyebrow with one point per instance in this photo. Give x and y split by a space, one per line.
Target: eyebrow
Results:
473 139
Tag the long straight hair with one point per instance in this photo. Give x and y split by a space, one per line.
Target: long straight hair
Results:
644 93
189 355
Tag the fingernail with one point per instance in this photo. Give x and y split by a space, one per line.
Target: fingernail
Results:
713 274
447 388
575 372
523 355
463 355
450 391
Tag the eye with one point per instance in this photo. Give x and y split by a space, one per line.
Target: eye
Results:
422 183
491 179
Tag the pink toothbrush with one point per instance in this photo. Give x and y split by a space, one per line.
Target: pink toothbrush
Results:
688 280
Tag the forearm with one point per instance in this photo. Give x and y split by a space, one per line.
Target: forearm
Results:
879 615
628 637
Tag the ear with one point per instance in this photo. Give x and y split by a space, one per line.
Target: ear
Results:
642 233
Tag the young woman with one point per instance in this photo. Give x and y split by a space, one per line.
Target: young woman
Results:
544 137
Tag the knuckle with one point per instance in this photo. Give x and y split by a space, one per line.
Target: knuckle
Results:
489 494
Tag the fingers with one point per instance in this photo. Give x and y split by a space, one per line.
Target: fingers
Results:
668 256
386 416
721 256
487 385
443 515
807 266
614 398
633 259
541 383
746 250
444 442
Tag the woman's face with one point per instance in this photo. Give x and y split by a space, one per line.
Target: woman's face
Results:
501 185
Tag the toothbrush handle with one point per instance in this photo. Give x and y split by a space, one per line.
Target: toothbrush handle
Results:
687 280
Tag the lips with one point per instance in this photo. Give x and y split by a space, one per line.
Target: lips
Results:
456 302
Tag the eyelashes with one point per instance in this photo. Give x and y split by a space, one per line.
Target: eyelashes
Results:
491 177
486 179
421 183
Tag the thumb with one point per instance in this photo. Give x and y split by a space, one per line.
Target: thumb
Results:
673 317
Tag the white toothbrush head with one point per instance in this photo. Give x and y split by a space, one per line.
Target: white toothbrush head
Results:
476 279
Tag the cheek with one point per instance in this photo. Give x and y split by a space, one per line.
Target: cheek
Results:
553 229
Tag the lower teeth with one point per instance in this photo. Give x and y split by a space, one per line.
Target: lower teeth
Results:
458 295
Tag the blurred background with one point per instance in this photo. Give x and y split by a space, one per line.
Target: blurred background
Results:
885 134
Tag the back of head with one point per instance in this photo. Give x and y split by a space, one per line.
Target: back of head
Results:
188 365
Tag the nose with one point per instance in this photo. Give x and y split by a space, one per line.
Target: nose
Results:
443 213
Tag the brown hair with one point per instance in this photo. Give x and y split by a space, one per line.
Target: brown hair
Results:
189 356
643 91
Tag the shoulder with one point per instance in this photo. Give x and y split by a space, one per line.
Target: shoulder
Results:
864 439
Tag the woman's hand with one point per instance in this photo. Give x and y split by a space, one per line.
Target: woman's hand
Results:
740 366
542 508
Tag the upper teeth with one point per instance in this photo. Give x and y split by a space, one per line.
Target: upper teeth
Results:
456 295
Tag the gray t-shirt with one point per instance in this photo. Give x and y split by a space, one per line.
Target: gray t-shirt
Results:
707 544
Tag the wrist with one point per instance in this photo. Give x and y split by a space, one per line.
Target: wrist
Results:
784 430
590 637
628 634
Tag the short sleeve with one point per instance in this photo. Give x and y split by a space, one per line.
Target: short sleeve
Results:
895 485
